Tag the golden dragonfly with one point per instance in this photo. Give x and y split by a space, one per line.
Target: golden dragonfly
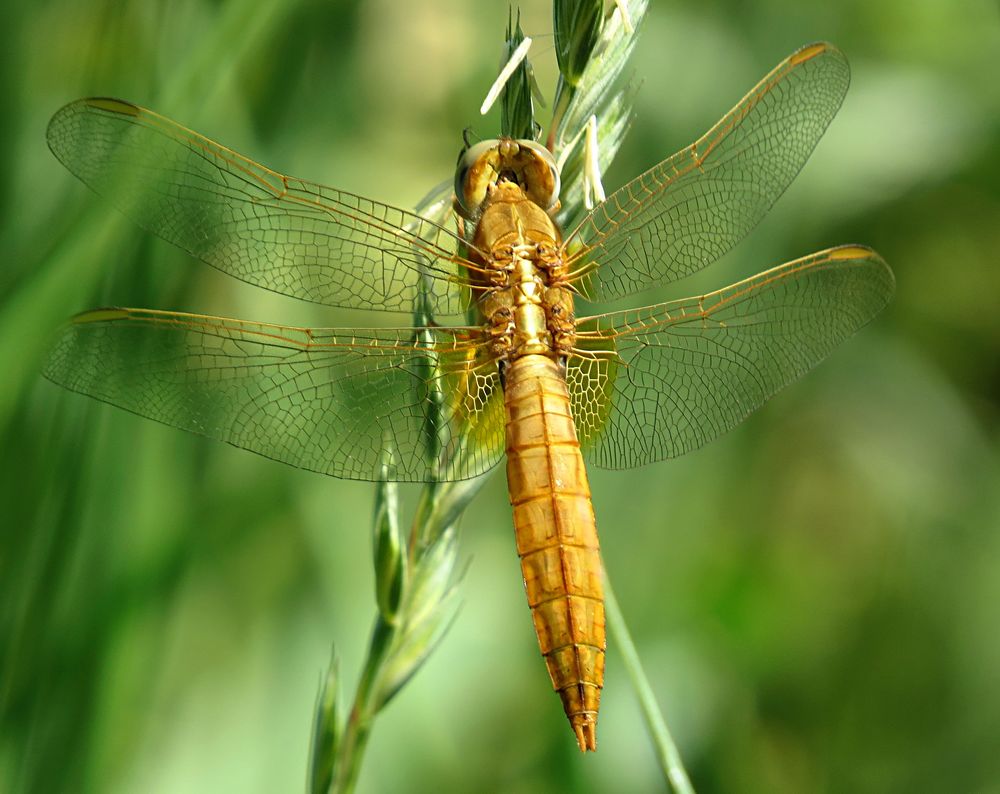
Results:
527 378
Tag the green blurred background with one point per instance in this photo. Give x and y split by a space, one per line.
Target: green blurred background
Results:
814 596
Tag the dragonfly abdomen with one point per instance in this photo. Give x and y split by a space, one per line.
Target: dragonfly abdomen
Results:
556 536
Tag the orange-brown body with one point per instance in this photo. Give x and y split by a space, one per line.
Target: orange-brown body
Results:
556 537
529 311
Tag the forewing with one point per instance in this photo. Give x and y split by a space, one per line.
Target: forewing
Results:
277 232
689 370
692 208
339 402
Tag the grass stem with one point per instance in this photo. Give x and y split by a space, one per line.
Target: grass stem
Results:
663 743
359 722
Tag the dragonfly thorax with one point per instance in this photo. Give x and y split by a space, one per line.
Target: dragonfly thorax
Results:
525 301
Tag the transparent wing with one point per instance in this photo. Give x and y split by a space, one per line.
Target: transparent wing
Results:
657 382
689 210
277 232
340 402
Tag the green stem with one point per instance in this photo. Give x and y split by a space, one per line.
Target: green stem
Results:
358 727
663 743
421 531
564 93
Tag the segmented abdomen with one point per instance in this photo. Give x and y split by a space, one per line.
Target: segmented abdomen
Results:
556 536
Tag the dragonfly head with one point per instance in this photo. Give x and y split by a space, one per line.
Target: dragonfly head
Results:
487 165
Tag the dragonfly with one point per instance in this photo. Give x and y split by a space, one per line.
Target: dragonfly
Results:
519 376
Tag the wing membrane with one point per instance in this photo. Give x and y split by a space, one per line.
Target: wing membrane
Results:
277 232
339 402
692 208
689 370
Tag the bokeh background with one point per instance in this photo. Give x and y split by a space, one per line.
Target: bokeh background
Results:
816 596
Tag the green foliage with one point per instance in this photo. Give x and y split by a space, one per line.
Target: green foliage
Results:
389 548
576 25
600 91
327 729
517 111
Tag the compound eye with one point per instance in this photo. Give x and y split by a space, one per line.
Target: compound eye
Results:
541 175
475 170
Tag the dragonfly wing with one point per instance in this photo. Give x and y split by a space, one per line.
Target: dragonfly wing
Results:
683 373
692 208
339 402
277 232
